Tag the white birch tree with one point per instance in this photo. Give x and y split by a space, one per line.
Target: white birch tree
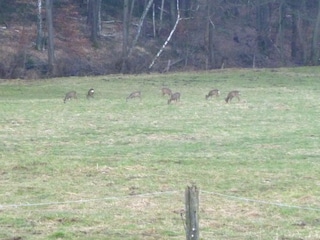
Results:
169 37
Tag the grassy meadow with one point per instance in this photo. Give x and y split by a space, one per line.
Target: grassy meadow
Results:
105 168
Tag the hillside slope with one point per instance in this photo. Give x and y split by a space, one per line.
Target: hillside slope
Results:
235 45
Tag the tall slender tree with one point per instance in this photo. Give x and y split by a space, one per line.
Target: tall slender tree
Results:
39 41
94 21
144 14
210 29
173 12
125 41
280 37
51 58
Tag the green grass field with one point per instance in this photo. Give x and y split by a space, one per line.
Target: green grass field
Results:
109 169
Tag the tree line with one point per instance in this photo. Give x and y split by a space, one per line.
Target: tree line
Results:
185 34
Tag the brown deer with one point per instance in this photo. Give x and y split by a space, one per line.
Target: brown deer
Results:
231 95
70 95
213 92
136 94
174 97
90 93
166 91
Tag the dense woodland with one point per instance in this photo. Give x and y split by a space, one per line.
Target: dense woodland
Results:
51 38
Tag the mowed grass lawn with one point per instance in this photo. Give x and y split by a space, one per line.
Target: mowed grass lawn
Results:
105 168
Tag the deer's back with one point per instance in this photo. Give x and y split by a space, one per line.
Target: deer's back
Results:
175 96
166 90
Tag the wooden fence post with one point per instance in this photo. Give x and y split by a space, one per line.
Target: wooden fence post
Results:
192 212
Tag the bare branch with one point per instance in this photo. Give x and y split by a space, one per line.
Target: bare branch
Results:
169 37
212 24
144 14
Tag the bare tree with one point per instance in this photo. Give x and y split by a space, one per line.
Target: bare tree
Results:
280 37
125 36
169 37
154 20
161 15
301 23
94 9
51 59
126 51
173 13
210 29
144 14
39 41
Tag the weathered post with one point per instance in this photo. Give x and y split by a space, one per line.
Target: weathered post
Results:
192 212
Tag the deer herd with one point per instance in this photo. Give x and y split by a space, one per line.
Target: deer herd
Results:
173 97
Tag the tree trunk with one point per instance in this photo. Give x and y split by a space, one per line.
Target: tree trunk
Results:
125 41
131 9
210 29
262 22
169 37
303 39
315 39
161 16
294 38
51 60
39 42
99 17
297 46
94 21
280 37
154 20
173 14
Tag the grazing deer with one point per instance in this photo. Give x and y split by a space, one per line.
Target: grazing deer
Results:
213 92
136 94
231 95
70 95
174 97
90 93
166 91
